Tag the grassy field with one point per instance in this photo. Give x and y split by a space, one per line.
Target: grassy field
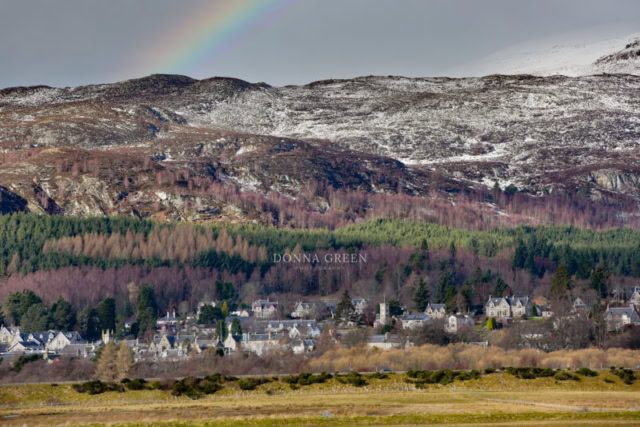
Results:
490 400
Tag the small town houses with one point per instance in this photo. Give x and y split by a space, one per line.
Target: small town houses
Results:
262 331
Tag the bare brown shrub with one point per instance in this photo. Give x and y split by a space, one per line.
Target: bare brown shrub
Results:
465 356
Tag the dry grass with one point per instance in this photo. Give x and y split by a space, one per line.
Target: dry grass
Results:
383 402
463 356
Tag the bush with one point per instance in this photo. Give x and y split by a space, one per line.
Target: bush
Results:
215 378
91 387
179 388
306 378
379 376
626 375
167 384
565 376
443 377
355 379
586 372
137 384
208 387
23 360
252 383
609 381
530 373
489 371
193 394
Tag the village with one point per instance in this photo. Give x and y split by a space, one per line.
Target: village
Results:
262 329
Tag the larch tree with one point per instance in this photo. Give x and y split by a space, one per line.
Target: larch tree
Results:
107 366
124 361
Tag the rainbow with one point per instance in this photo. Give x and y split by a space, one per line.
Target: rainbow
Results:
204 33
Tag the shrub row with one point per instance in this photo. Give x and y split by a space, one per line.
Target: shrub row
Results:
565 376
444 377
530 373
97 387
353 378
195 387
252 383
307 378
626 375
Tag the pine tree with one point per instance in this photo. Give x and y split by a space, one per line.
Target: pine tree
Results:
62 315
107 313
209 315
236 327
221 330
36 318
106 368
598 281
561 282
124 361
519 256
345 311
89 324
453 251
146 309
500 287
534 311
450 295
421 296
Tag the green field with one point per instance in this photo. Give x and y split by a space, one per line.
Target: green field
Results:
491 400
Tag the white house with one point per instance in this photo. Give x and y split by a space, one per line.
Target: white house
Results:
454 322
505 307
27 347
579 305
414 321
302 346
302 310
384 342
635 297
436 311
261 344
294 328
360 304
232 344
7 334
64 339
169 320
264 309
618 317
520 306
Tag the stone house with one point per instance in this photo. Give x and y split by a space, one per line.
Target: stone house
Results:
264 309
454 322
618 317
436 311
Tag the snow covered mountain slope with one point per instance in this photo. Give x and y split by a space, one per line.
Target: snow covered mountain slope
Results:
552 134
572 57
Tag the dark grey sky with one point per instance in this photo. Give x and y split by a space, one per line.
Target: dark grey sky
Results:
73 42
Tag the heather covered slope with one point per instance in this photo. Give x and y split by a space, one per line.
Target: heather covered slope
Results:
330 152
541 133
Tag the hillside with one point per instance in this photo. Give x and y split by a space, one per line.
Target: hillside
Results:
173 147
